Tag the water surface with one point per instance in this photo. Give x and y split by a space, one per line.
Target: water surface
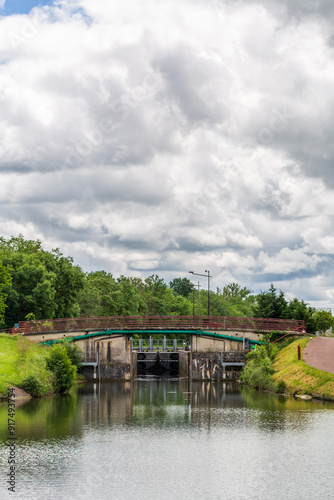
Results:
161 439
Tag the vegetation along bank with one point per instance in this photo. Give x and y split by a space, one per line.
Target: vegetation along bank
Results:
38 370
279 370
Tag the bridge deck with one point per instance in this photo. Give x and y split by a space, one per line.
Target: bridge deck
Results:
213 323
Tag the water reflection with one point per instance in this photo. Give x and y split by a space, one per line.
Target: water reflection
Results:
154 401
47 418
157 439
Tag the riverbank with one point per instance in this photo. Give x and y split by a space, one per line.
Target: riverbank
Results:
37 370
300 378
19 360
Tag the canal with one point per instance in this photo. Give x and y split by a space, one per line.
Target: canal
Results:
170 439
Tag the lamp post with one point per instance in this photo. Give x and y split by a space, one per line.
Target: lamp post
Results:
199 304
207 276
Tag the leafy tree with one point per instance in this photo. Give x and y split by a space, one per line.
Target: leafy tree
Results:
99 295
32 288
69 281
153 293
298 309
5 282
233 291
130 299
18 244
231 301
44 284
323 321
181 286
270 304
218 306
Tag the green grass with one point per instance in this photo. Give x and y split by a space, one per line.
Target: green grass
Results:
19 359
299 377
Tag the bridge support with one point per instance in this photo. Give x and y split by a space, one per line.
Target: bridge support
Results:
216 365
116 361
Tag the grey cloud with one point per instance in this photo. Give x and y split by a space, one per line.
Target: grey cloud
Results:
204 140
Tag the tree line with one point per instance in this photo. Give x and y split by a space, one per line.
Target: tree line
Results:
39 284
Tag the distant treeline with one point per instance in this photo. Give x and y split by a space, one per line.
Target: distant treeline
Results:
37 284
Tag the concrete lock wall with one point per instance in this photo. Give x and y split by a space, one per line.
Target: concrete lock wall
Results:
201 343
184 363
211 366
116 359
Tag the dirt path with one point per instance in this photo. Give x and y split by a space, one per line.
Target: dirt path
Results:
319 353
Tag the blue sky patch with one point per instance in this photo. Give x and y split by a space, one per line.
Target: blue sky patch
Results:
21 6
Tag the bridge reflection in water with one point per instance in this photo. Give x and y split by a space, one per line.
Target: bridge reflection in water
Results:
149 399
171 402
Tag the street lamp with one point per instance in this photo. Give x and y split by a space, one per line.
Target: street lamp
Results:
199 304
207 276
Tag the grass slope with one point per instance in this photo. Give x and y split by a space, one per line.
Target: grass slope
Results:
299 377
19 359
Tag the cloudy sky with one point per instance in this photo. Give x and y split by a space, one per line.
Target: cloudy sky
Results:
162 137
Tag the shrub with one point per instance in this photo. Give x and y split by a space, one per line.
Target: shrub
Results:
258 370
32 386
60 365
74 353
281 387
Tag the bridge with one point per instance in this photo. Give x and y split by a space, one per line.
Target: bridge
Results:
211 323
214 347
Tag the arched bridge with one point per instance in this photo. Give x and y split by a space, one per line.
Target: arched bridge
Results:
211 345
214 346
150 323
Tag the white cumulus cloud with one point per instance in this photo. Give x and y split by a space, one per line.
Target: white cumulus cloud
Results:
150 137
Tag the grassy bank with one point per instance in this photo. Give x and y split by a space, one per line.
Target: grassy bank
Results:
298 377
20 359
39 370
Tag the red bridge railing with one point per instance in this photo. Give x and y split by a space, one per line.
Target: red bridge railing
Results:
158 322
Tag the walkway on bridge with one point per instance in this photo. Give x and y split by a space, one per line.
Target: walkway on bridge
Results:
148 323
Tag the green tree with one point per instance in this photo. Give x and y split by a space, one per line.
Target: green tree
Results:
270 304
233 300
100 295
32 288
153 292
181 286
298 309
233 291
130 299
5 282
323 321
44 284
69 281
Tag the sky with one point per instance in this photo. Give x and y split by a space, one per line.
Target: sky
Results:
160 137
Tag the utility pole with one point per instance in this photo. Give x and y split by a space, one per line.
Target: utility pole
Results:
207 276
